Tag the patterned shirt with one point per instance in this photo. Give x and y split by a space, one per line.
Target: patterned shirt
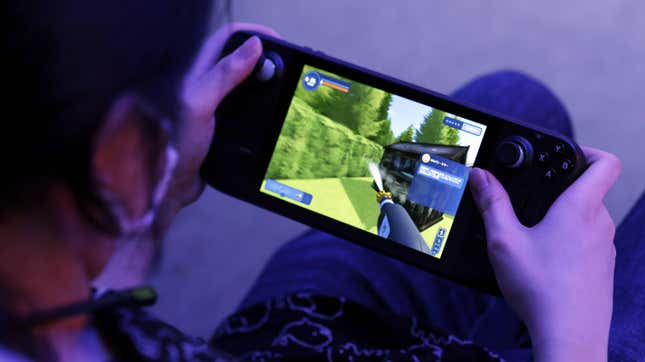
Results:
300 327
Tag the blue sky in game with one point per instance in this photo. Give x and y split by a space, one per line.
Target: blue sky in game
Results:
404 113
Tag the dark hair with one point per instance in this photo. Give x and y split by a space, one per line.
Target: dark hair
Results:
66 62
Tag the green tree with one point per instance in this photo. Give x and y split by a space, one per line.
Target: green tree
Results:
384 136
321 99
313 146
451 136
406 136
384 107
359 109
432 130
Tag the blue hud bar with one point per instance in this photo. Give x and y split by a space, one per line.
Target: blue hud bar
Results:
462 126
312 80
288 191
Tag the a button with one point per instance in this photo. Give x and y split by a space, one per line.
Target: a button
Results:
566 165
559 148
549 174
543 157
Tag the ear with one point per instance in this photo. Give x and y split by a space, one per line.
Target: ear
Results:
132 162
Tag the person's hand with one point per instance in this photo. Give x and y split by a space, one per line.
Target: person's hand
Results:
208 81
558 275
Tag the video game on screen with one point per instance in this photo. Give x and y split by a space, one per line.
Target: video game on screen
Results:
347 149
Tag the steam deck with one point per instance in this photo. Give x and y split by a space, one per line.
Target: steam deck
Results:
378 161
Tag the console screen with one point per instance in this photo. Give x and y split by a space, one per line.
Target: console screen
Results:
374 160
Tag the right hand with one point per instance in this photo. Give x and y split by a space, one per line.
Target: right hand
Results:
558 275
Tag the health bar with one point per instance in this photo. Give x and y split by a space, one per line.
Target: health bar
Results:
336 84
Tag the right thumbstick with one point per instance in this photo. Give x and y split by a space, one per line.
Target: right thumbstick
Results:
511 153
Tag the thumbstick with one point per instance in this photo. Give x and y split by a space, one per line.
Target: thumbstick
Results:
269 66
512 152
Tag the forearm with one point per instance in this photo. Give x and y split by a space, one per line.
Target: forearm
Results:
567 353
569 348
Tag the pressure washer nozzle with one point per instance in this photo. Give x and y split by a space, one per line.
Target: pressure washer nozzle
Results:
383 194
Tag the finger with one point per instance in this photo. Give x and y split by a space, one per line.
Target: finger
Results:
232 70
602 172
494 205
212 48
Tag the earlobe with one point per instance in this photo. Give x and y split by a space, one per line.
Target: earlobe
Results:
132 160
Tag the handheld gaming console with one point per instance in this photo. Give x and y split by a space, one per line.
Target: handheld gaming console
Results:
378 161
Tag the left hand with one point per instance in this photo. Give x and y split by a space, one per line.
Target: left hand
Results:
207 82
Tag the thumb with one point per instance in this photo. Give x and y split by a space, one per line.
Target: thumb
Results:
494 205
233 69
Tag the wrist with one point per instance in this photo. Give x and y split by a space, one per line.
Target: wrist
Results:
566 345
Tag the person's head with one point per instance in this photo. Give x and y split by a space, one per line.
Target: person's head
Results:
94 113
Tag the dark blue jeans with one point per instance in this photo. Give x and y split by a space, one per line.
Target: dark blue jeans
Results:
320 263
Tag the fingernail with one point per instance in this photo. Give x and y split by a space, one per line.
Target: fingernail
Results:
250 48
478 180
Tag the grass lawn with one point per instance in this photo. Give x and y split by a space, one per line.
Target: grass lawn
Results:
351 200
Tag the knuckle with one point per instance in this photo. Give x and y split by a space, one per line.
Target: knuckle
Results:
497 246
235 65
228 65
612 161
587 215
492 199
600 230
501 243
615 162
599 220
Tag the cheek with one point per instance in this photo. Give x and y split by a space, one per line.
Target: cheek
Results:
99 257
